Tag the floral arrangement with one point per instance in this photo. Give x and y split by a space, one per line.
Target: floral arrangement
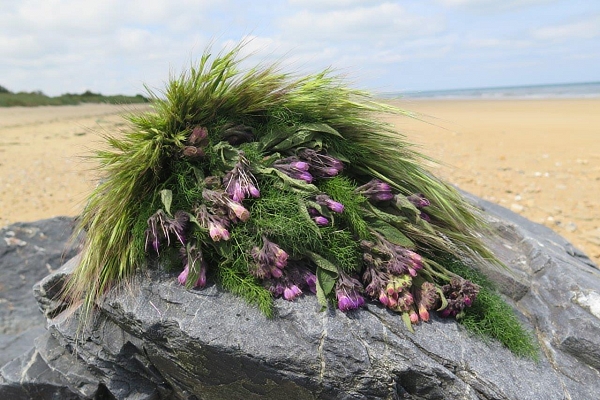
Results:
277 186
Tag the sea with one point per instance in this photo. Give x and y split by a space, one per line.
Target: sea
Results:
565 91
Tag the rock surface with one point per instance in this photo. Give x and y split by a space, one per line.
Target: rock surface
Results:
28 252
155 340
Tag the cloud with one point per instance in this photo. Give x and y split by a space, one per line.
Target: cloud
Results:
381 22
94 39
330 4
492 5
588 28
495 43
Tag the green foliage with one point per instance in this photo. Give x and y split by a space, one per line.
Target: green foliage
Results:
35 99
341 189
491 317
281 214
148 167
233 275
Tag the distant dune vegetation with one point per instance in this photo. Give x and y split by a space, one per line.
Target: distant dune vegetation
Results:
37 98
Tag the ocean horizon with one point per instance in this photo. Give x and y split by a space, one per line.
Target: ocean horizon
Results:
560 91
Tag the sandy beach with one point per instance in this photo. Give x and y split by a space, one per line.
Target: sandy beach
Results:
539 158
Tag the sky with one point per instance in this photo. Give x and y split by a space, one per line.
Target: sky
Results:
119 46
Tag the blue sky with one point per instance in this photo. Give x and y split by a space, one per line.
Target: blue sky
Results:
117 46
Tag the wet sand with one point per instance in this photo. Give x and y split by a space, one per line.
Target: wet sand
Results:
539 158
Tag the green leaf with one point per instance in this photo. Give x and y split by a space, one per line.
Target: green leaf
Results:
166 196
303 209
294 184
442 298
406 208
321 297
406 320
229 154
392 234
327 275
323 128
395 220
198 174
298 138
326 280
322 263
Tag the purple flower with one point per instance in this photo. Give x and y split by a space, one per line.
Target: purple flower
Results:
300 165
217 231
239 182
311 281
201 282
182 278
321 220
192 259
425 297
198 137
418 200
321 165
161 227
216 225
326 201
292 280
221 200
270 260
290 293
294 168
196 142
459 293
375 190
425 217
347 292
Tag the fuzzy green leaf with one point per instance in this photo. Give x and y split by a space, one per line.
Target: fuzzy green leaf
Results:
442 298
198 174
303 210
392 234
322 263
406 320
327 274
229 154
297 139
321 297
323 128
326 280
290 183
166 196
406 208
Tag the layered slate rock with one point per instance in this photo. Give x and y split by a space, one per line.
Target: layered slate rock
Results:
28 252
153 339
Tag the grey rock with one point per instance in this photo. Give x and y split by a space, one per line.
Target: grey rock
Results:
155 340
28 252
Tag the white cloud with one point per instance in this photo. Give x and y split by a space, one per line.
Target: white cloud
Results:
386 21
494 43
588 28
330 4
492 5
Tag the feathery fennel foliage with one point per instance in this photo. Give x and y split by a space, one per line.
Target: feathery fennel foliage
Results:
273 184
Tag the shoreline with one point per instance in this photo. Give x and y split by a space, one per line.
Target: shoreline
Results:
539 158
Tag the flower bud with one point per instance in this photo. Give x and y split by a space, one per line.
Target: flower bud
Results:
321 221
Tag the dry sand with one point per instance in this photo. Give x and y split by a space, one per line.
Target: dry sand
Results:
540 158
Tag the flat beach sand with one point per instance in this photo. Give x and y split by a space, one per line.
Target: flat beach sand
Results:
539 158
